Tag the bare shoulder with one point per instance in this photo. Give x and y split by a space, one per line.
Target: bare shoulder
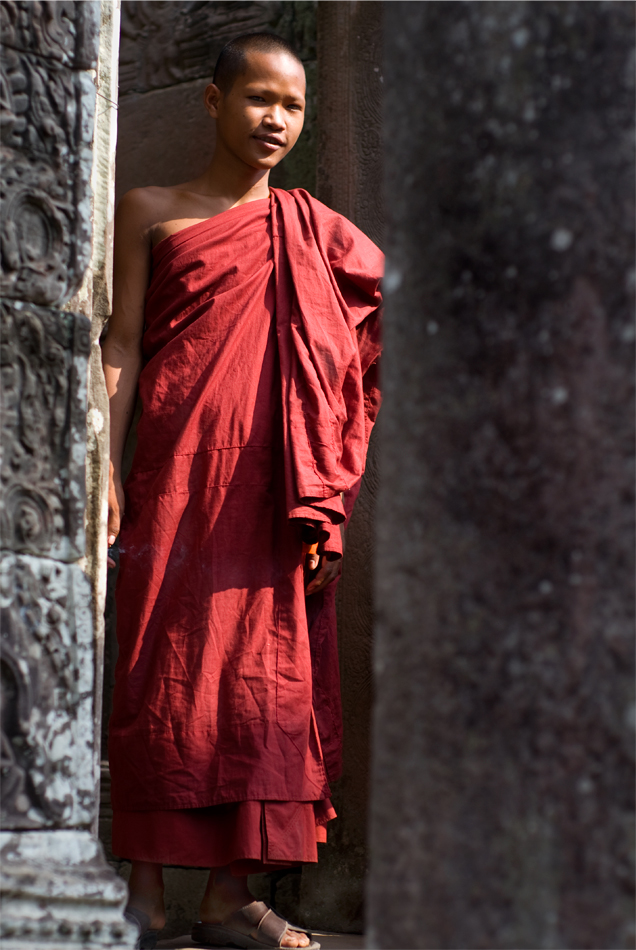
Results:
141 209
154 212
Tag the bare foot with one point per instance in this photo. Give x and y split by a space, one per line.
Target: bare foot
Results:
145 888
226 893
294 939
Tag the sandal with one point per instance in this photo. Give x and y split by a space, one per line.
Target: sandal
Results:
290 926
147 939
254 927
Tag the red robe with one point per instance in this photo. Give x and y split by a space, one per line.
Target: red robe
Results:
259 390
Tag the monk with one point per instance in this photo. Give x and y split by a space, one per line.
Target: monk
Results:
246 319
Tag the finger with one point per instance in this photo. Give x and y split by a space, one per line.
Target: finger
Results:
313 585
328 573
113 526
321 579
111 537
110 561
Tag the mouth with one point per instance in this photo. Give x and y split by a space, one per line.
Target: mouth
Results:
270 142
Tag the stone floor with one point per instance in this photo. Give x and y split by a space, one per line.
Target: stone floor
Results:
328 941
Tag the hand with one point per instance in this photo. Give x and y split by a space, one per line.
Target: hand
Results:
116 502
328 572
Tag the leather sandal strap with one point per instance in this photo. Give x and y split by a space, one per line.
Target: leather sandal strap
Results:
257 918
295 928
272 927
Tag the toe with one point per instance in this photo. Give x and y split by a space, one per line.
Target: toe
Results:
294 939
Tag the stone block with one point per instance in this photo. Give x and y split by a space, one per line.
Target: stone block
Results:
42 491
58 892
46 648
165 136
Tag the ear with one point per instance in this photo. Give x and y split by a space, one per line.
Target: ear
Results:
211 98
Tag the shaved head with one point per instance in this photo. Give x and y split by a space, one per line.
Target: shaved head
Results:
232 61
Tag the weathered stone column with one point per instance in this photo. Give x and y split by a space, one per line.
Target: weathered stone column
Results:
503 744
349 180
94 300
57 890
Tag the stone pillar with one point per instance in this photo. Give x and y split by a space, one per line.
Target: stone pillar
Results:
349 180
350 111
57 890
503 736
94 300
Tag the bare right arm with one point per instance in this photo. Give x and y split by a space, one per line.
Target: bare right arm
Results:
121 350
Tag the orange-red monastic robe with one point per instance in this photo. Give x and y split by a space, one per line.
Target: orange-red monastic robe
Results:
259 391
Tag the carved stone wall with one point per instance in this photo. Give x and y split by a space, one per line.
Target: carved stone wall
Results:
43 359
56 888
503 783
47 683
48 101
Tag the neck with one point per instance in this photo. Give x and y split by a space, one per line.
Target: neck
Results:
228 177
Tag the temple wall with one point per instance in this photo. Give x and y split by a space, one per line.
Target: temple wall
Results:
503 779
56 888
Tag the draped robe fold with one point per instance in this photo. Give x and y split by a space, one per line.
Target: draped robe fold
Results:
259 390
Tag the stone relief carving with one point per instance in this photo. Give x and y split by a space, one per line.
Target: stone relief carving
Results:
36 249
47 680
43 370
46 134
47 108
163 44
62 31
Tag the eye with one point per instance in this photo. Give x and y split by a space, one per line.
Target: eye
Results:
256 98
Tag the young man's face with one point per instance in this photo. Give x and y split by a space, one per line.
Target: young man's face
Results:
261 117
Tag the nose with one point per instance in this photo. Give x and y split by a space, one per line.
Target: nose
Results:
275 117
